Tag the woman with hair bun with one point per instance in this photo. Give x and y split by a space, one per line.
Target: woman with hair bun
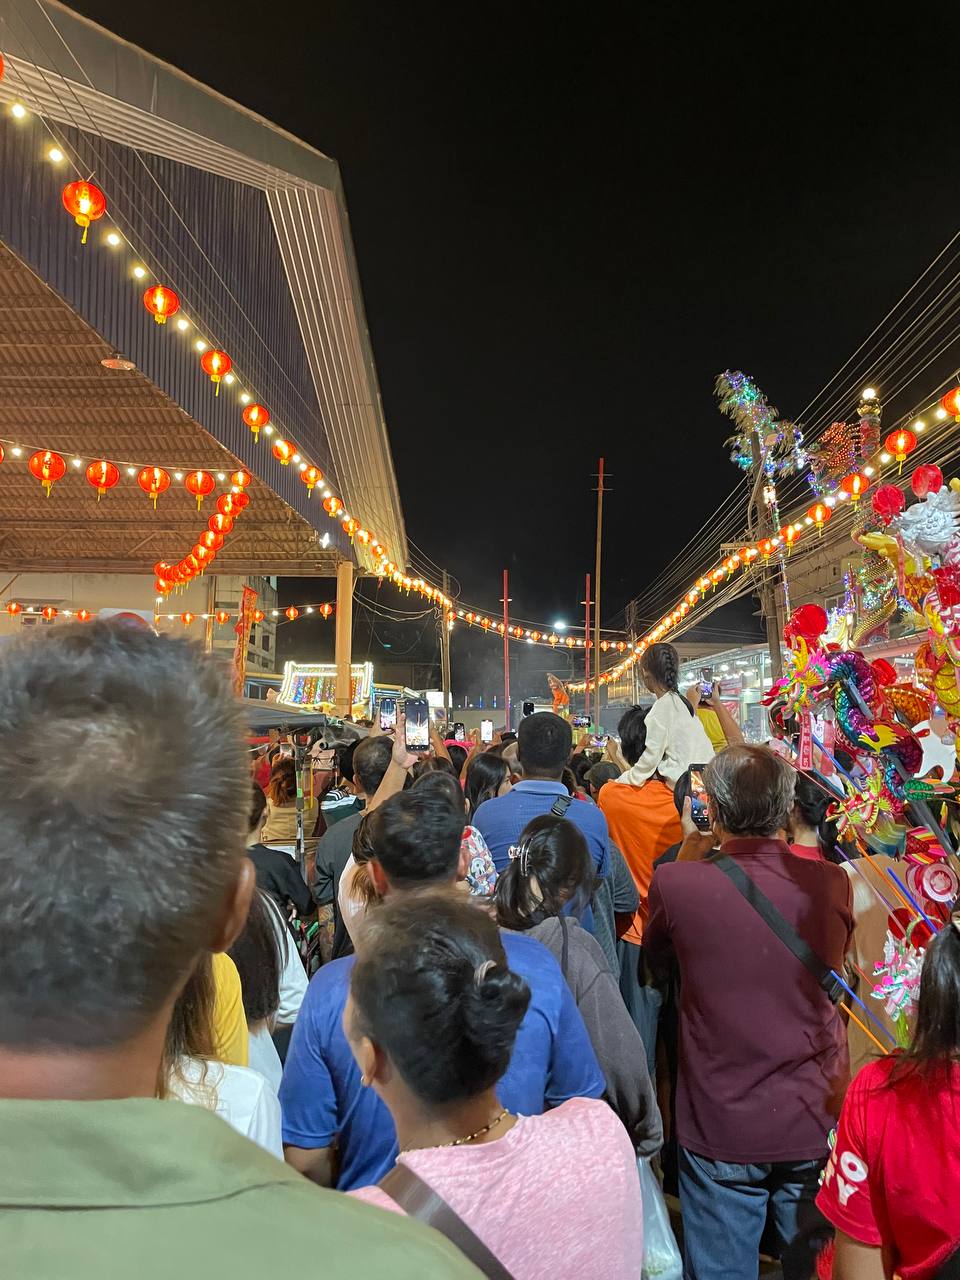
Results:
432 1018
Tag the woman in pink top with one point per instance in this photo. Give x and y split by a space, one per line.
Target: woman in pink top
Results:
432 1017
811 835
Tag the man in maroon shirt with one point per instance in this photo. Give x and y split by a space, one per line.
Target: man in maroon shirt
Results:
763 1057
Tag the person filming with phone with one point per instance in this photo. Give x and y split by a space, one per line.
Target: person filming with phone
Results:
763 1051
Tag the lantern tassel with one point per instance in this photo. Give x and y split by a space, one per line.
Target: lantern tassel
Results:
199 501
83 238
154 497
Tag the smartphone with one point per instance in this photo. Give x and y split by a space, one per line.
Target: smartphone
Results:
698 801
598 740
528 708
706 690
486 730
459 732
582 722
417 712
388 714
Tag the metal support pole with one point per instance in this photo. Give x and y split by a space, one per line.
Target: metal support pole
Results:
445 652
596 592
344 638
211 610
506 650
586 652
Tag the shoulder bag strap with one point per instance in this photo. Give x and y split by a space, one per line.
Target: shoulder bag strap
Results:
420 1201
560 806
826 978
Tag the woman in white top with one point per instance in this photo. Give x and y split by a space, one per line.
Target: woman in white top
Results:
676 738
190 1073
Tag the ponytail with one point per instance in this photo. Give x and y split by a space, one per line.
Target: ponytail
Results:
550 867
661 663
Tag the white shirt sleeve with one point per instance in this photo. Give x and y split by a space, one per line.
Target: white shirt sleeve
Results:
293 977
657 726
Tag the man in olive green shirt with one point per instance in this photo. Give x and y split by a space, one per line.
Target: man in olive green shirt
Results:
121 861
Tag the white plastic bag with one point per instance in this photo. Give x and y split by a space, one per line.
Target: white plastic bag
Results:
661 1255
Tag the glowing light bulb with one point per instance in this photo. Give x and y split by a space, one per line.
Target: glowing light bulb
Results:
244 398
221 477
55 155
941 413
113 240
77 462
16 451
139 272
132 471
919 425
200 345
18 111
229 379
183 325
295 458
884 458
869 393
868 471
268 430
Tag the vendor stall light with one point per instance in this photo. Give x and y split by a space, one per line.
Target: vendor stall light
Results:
18 111
55 155
183 324
200 345
112 239
140 272
884 458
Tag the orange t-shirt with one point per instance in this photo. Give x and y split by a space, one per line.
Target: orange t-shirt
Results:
643 823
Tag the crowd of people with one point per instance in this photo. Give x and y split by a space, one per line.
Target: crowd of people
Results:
542 979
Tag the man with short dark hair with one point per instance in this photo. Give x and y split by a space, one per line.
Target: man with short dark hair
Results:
763 1056
370 762
121 863
544 744
341 801
339 1133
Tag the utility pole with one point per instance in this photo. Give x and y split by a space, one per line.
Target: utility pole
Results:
506 649
445 652
632 633
596 592
586 652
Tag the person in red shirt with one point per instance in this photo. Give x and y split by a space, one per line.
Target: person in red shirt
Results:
763 1054
811 835
892 1184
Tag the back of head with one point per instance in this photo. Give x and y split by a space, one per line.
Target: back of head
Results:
417 835
544 742
549 867
599 775
458 757
486 774
432 764
343 759
632 732
256 954
750 790
371 760
441 783
936 1034
661 665
282 787
120 834
431 987
258 804
810 803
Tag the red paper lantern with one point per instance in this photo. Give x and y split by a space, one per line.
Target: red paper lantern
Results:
162 586
240 479
47 467
326 610
258 615
363 536
220 523
820 513
256 417
332 506
283 451
900 443
222 616
153 481
927 478
203 555
211 539
349 527
49 612
887 502
241 501
161 302
187 617
855 485
951 402
230 504
13 608
1 453
217 364
199 483
85 202
292 613
84 615
311 477
102 475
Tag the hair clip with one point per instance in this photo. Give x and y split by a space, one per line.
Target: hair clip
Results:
481 971
513 852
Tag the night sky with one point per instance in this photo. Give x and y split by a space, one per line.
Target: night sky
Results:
566 227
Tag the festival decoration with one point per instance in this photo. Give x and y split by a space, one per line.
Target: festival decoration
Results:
216 364
48 467
161 302
258 615
900 443
819 513
102 475
761 435
187 617
49 612
855 485
220 523
951 403
153 481
888 501
311 477
222 616
240 479
13 608
899 985
927 478
283 451
85 202
292 613
844 447
256 417
332 506
199 483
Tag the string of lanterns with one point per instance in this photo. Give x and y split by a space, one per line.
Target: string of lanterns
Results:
221 617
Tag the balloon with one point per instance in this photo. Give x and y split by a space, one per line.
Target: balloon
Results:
926 479
887 502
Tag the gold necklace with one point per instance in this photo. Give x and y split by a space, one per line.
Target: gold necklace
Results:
459 1142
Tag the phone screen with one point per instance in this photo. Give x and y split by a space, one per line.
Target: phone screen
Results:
528 708
698 801
417 712
459 732
388 714
486 730
598 740
706 690
582 722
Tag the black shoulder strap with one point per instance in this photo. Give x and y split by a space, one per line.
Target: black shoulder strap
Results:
421 1202
774 921
560 806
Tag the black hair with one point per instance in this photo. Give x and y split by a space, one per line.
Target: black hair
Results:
417 836
443 784
432 764
554 852
936 1034
258 802
813 802
371 760
343 760
545 742
569 780
661 663
458 757
123 754
432 989
581 765
256 953
486 774
632 732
